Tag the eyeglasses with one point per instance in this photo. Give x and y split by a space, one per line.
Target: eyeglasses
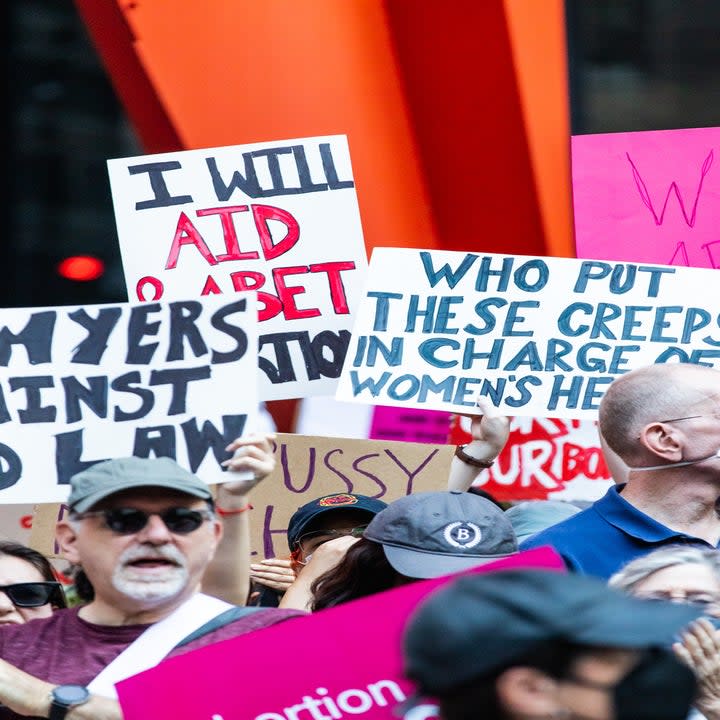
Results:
309 542
127 521
699 599
34 594
715 415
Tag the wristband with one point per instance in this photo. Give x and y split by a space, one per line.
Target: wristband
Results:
222 512
470 460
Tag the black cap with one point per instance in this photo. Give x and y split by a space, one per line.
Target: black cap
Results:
480 623
337 501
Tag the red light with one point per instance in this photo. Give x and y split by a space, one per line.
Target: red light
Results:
81 268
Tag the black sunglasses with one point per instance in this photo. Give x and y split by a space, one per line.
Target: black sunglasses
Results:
127 521
34 594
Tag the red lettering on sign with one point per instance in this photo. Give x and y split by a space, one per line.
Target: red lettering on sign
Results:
186 234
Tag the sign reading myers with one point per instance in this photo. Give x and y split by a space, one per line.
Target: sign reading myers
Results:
358 672
82 384
280 218
651 196
537 336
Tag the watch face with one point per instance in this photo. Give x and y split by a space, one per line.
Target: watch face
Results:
71 694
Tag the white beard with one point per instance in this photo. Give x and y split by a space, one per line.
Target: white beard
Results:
159 584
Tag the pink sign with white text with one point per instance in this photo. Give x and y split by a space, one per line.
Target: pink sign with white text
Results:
338 663
650 196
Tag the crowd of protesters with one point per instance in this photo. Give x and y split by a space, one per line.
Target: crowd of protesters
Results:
162 566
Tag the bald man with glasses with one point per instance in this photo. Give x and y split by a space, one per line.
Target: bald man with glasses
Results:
663 423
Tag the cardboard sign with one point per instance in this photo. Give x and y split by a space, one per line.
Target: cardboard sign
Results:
82 384
16 522
543 459
357 670
280 217
540 337
310 467
648 196
42 533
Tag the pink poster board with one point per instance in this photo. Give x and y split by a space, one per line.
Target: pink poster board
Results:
410 425
341 661
649 196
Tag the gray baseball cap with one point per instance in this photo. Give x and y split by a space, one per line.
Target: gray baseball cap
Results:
429 534
532 516
89 487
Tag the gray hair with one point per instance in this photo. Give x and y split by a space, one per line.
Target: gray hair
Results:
639 569
647 394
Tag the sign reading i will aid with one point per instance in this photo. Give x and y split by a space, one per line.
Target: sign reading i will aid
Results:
539 336
280 218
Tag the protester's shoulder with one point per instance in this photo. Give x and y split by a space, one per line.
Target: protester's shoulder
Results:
256 620
565 528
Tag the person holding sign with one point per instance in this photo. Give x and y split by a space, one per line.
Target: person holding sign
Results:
313 524
144 531
517 644
663 421
418 536
330 524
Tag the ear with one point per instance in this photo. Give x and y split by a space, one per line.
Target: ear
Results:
662 440
66 538
527 692
217 531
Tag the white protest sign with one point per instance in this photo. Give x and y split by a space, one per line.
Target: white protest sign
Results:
82 384
538 336
278 217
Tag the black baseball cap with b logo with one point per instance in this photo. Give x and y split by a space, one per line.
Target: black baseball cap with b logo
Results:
429 534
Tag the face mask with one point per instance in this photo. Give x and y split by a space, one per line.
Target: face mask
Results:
659 687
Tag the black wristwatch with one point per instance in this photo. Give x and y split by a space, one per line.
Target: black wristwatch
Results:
63 697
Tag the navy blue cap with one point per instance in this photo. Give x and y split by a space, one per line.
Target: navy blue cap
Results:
337 501
479 623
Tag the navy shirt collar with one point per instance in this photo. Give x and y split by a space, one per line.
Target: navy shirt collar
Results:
626 517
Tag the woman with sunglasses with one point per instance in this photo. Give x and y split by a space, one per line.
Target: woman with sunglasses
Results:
685 574
28 587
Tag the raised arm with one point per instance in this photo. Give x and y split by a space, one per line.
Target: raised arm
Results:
490 431
326 557
228 575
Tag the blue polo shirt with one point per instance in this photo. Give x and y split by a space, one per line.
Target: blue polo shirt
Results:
605 536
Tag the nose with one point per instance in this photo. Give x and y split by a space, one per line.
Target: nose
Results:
6 606
155 532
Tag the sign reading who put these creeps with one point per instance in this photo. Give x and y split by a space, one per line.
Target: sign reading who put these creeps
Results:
537 336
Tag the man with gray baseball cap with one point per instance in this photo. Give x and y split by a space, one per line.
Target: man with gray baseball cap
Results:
144 531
